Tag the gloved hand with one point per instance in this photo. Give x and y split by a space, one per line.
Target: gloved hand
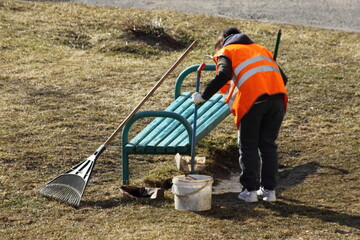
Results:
197 98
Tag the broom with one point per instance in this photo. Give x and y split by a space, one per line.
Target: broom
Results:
70 186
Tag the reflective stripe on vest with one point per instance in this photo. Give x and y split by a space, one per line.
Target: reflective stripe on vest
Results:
230 95
246 76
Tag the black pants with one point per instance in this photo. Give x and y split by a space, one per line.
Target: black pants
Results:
258 131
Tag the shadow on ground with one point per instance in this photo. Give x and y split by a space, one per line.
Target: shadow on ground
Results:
227 206
291 177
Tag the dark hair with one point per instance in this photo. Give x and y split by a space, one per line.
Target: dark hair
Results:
229 31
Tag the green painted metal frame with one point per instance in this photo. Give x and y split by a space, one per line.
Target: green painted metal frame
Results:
185 73
167 114
136 117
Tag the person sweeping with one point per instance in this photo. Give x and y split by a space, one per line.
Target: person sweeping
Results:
253 86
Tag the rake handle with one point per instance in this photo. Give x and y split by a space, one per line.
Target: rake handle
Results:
108 141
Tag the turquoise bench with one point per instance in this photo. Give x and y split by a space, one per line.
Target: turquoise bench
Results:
170 131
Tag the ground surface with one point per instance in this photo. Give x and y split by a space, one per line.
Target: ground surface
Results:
70 73
331 14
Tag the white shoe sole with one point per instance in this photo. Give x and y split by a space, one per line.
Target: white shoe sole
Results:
247 199
260 194
269 199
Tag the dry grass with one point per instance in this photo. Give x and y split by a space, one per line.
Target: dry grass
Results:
70 74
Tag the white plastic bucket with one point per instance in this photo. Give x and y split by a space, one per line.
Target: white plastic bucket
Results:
192 192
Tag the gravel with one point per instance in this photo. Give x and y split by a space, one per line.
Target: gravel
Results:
329 14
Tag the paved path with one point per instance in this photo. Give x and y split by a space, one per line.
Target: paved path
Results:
329 14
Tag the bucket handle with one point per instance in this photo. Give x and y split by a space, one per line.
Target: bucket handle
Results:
187 194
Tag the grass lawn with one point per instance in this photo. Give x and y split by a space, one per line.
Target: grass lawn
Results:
70 73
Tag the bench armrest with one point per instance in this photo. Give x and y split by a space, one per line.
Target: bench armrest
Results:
187 71
140 115
144 114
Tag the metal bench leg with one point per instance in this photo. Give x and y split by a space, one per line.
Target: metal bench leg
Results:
125 166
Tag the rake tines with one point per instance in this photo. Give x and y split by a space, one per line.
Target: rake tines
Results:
70 186
67 188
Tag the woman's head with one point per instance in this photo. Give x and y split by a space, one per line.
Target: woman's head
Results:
230 31
227 32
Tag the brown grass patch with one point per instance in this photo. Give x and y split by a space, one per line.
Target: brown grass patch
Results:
66 83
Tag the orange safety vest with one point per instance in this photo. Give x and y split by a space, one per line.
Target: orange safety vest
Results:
255 73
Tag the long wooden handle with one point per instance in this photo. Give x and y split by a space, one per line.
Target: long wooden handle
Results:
107 142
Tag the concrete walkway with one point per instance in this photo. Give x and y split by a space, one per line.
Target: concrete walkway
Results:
329 14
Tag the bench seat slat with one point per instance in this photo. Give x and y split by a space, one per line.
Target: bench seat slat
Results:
206 128
149 128
161 126
206 123
204 110
169 136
